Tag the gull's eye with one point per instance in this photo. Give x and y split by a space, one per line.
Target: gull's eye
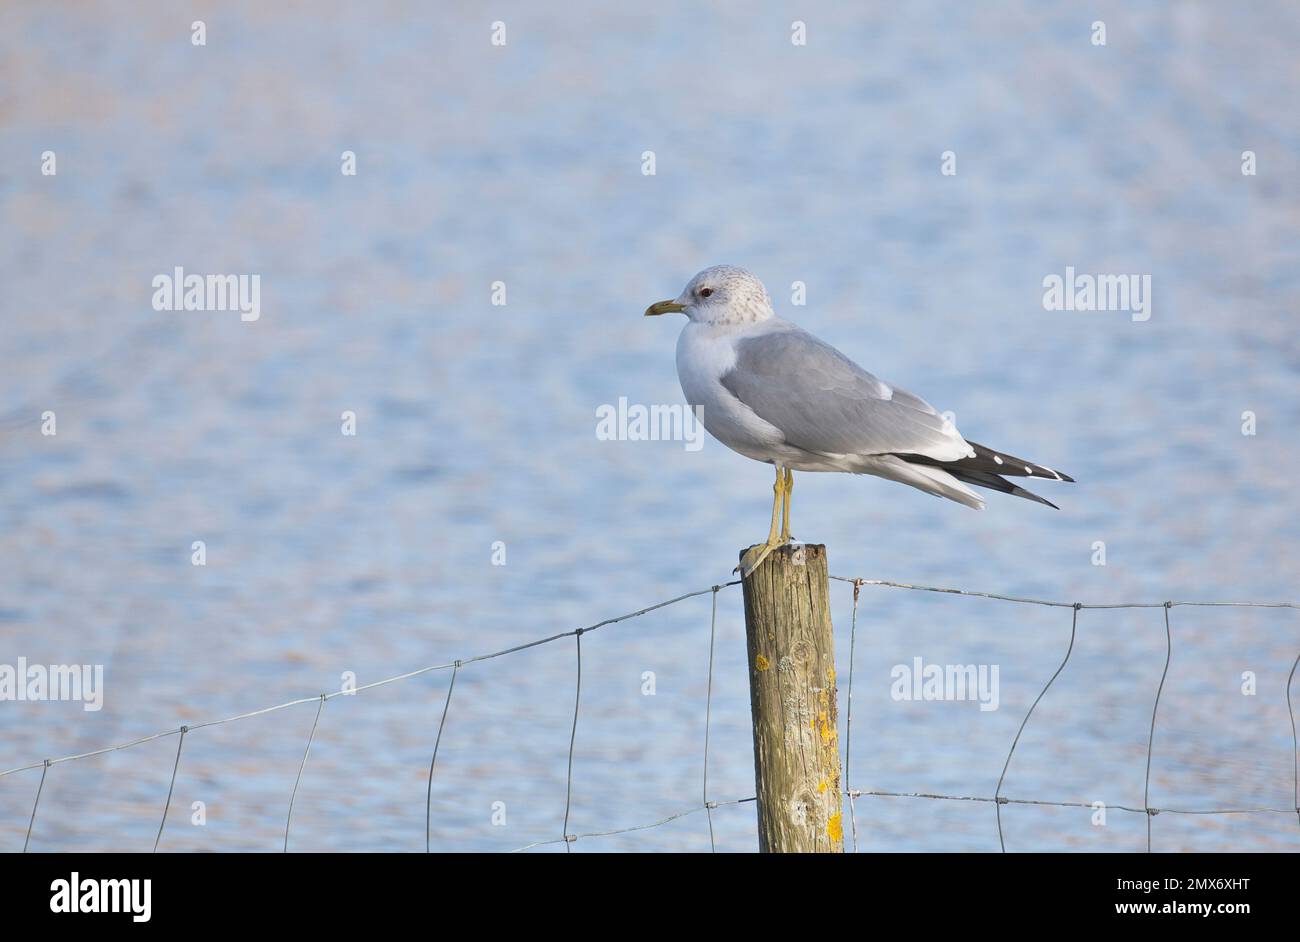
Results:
706 292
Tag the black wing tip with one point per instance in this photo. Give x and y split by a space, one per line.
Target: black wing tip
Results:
1042 472
1030 495
995 482
999 462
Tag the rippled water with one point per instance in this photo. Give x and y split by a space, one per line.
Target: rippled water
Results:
522 164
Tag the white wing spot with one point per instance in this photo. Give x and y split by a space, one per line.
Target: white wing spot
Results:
1029 470
997 459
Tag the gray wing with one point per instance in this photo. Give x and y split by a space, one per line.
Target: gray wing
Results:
824 402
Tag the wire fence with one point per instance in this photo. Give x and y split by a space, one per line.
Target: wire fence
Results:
708 805
997 798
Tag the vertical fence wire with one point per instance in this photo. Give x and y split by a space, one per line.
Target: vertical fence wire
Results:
848 728
296 782
170 788
573 738
1295 742
1151 738
998 800
428 795
35 804
708 712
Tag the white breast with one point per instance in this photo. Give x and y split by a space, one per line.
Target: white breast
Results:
704 355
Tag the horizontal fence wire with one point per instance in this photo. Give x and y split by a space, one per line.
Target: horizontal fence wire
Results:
1066 804
707 805
1056 604
997 798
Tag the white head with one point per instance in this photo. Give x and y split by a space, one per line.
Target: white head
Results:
721 295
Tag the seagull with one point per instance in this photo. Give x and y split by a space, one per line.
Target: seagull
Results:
773 392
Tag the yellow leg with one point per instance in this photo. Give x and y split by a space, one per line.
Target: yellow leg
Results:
778 502
785 510
756 554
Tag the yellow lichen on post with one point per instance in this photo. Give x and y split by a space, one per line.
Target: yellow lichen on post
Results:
835 828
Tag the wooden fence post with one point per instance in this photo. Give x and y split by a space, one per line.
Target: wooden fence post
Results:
792 699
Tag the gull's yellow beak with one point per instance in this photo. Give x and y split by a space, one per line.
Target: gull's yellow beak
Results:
663 307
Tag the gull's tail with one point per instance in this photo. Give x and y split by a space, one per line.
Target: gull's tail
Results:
987 467
924 477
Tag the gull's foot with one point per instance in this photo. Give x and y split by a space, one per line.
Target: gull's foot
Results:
754 556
